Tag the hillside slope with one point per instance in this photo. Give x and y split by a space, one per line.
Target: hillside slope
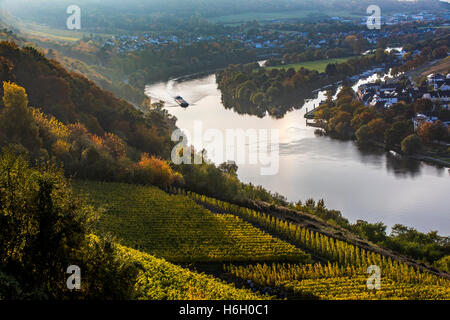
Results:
314 224
161 280
71 97
176 228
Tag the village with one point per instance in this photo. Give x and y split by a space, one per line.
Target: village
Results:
384 94
268 36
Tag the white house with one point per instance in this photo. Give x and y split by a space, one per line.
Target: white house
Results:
386 99
438 96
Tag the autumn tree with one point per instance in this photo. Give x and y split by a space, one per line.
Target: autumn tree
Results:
17 124
340 123
229 167
115 146
440 130
426 131
377 128
397 132
6 69
155 171
361 119
430 131
411 144
363 135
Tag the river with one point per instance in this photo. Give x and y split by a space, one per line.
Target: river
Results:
369 185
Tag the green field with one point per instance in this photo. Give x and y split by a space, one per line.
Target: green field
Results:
318 65
176 228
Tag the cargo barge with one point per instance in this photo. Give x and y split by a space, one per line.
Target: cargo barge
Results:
181 102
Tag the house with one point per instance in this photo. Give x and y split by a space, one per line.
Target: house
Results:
419 120
445 86
434 78
385 99
367 91
438 96
389 87
400 54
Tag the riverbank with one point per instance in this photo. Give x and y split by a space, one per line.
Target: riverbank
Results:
432 160
417 157
364 184
382 146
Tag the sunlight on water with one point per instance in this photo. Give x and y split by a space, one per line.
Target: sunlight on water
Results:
368 185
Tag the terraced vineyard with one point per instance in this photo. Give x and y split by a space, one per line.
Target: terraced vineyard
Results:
344 277
350 283
161 280
321 245
178 229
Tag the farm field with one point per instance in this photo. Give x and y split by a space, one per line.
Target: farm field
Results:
176 228
318 65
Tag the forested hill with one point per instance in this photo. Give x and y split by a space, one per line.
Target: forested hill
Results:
72 98
49 113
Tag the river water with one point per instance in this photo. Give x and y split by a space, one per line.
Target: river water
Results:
368 185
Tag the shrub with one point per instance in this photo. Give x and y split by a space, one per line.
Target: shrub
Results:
152 170
443 264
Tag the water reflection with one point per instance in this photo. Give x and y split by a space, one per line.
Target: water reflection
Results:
403 167
367 184
374 157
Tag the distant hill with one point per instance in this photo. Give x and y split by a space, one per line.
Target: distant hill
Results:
71 97
111 15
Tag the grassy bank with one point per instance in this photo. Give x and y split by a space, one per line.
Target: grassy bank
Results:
318 65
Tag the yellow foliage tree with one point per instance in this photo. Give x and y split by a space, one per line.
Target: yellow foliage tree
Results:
17 123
